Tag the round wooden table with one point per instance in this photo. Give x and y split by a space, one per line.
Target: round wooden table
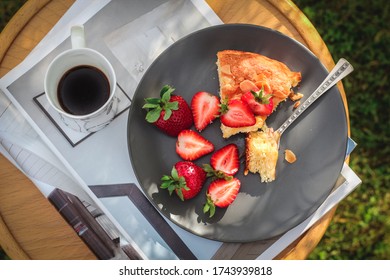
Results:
30 227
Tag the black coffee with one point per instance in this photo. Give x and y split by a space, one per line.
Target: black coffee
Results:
83 90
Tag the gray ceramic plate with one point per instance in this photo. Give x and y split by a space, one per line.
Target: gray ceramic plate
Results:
260 211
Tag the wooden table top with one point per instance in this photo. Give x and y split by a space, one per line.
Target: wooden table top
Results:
30 227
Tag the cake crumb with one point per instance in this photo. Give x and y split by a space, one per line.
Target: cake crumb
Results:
295 96
296 104
289 156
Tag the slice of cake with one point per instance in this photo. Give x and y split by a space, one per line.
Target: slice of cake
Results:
239 72
261 153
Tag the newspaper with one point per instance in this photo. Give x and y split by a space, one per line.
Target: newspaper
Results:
72 149
34 139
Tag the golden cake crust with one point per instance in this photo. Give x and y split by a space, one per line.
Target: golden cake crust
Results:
235 67
239 72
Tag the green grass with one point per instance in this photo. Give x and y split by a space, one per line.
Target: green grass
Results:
359 31
8 9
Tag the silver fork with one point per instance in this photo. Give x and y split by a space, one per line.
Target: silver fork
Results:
340 71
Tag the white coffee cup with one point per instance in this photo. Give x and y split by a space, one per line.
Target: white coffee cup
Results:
66 62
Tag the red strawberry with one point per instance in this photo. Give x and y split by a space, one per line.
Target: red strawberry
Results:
224 163
260 103
226 159
205 109
237 114
190 145
186 180
221 193
170 113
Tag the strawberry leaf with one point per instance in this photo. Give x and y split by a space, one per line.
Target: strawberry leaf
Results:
172 105
167 115
156 105
171 188
150 106
165 178
215 174
179 193
165 185
261 97
165 89
206 208
153 115
168 107
153 100
223 107
174 174
209 207
174 183
166 96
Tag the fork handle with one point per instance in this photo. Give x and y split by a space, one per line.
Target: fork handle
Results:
341 70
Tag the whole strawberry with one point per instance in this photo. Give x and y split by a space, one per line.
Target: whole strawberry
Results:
170 113
187 179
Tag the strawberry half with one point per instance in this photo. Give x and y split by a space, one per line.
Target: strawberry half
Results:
260 103
190 145
170 113
205 109
221 193
187 179
226 159
224 163
237 114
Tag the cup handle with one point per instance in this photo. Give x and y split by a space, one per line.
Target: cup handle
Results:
77 36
